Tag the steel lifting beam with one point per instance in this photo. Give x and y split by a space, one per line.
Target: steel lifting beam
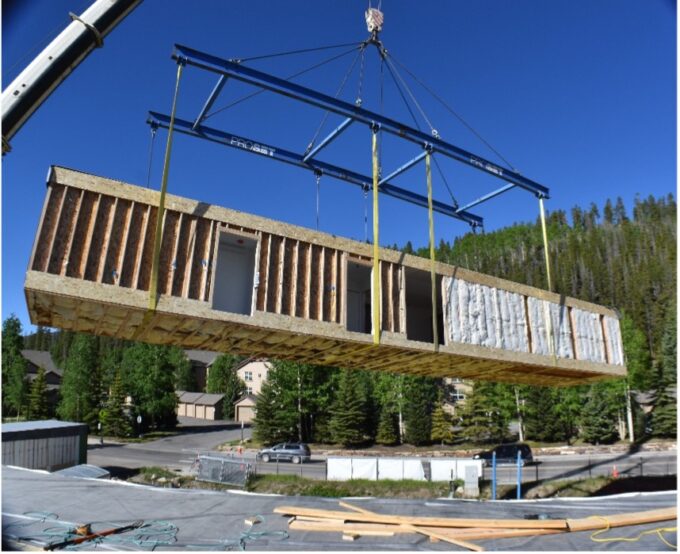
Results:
325 142
489 196
211 100
255 147
263 80
404 167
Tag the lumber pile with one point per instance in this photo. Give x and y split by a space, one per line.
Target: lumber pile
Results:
355 522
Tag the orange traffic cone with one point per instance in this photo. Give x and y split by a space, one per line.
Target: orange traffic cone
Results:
615 473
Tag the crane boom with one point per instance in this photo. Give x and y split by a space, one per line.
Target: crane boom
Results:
35 83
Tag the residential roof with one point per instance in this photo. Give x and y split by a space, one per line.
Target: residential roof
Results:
203 399
41 424
203 356
42 358
248 397
190 397
209 399
247 361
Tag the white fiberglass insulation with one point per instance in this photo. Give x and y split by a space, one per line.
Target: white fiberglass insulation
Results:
485 316
613 337
488 316
588 336
559 328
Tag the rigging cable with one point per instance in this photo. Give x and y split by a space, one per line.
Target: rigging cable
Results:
415 121
154 128
454 113
293 76
291 52
339 91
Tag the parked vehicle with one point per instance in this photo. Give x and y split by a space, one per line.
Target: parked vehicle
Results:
507 454
295 452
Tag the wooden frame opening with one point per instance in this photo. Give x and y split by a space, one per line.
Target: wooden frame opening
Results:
419 306
358 297
234 282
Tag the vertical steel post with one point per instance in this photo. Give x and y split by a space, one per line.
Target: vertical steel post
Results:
519 474
545 242
433 275
493 475
376 252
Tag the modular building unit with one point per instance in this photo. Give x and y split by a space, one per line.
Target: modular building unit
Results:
234 282
48 444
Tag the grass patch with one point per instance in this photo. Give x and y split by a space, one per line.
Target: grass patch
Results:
292 485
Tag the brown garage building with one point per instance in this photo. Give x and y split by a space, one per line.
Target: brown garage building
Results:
200 405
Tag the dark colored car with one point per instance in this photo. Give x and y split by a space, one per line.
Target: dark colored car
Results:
295 452
507 454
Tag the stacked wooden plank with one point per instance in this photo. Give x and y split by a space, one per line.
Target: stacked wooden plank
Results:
459 531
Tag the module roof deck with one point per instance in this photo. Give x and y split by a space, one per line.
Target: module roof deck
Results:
72 286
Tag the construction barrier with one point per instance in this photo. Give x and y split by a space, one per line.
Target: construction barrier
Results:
342 468
220 469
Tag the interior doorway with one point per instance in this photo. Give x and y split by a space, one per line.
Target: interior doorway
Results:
235 274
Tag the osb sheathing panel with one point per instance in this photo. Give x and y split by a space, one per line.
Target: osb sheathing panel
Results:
91 266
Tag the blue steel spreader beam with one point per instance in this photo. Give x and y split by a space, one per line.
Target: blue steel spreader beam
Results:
433 144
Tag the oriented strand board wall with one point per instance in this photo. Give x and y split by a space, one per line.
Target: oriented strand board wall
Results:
91 269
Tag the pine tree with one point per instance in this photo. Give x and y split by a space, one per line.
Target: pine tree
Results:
482 420
598 417
664 418
38 406
442 430
349 412
222 379
14 367
421 395
114 419
148 375
185 378
387 434
636 349
80 386
542 421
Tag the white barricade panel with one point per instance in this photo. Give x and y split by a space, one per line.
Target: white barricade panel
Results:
339 469
389 468
365 468
443 468
413 469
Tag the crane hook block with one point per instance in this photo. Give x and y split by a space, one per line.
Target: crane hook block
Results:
374 20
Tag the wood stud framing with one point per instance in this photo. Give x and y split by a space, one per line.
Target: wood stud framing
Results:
99 231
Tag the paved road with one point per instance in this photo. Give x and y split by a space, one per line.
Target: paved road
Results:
176 453
179 452
581 466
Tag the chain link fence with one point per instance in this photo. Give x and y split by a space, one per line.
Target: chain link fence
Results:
221 469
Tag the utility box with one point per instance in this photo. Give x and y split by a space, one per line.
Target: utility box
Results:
234 282
48 444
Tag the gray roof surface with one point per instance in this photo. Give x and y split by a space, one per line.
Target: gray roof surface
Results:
201 398
212 520
251 397
204 356
42 359
85 470
209 399
21 426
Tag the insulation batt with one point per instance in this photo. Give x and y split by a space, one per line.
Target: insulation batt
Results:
496 318
485 316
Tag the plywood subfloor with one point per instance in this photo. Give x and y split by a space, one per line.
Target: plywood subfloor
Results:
84 306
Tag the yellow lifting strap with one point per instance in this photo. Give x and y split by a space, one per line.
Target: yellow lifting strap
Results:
376 246
158 235
548 317
433 275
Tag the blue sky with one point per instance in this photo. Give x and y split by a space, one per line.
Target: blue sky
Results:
580 96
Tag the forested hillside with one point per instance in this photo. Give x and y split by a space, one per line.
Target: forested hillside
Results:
624 261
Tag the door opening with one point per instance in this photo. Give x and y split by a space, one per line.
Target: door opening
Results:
235 274
358 297
419 306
